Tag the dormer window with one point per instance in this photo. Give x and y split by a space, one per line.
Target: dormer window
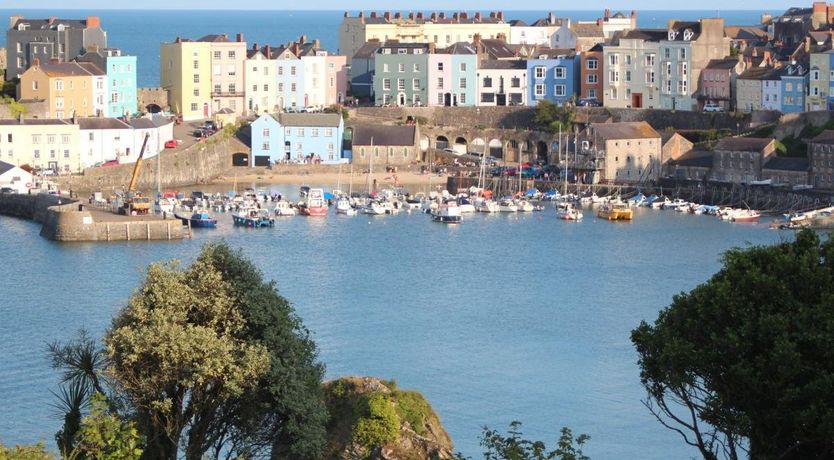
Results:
61 27
672 34
687 34
22 26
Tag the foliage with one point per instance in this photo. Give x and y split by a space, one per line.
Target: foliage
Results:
764 131
105 436
16 109
551 117
379 424
337 108
794 147
780 147
33 452
744 361
514 447
734 51
412 408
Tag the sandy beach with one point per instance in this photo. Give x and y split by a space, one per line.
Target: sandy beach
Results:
383 179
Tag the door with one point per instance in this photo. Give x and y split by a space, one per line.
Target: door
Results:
401 99
205 110
636 100
447 99
501 99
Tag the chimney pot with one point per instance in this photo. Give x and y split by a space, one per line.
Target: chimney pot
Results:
455 16
255 46
267 51
419 15
387 15
500 15
373 14
464 15
361 14
411 15
477 15
607 13
178 40
36 62
433 16
442 15
240 38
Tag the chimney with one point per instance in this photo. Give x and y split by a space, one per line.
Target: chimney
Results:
240 38
419 15
501 36
373 14
316 44
442 15
476 42
492 14
455 16
398 15
633 13
551 18
20 118
36 62
500 16
432 47
362 15
178 40
268 51
607 13
387 15
13 20
478 16
464 15
433 16
52 20
807 44
346 15
302 39
255 46
411 15
93 21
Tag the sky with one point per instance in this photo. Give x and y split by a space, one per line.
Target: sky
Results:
407 5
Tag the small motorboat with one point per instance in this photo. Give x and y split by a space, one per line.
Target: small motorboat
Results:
343 206
465 205
447 213
283 209
507 205
615 211
486 205
566 211
253 217
313 203
525 206
745 215
198 219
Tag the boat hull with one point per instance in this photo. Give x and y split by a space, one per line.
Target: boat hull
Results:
197 223
313 212
446 219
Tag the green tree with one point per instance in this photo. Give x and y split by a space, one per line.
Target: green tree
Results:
105 436
33 452
379 423
551 117
744 361
513 446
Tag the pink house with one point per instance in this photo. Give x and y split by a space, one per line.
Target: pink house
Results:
337 78
717 83
439 78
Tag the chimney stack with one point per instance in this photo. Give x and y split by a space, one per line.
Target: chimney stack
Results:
607 13
373 14
302 39
478 16
178 40
442 15
476 42
13 20
362 14
240 38
52 20
20 117
420 15
433 16
346 15
464 15
807 44
411 15
455 16
500 16
387 15
398 15
316 44
268 51
255 46
492 14
36 62
93 21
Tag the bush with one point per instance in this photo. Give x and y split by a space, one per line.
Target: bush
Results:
380 424
412 408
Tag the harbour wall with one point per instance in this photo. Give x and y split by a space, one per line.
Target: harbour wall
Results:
68 220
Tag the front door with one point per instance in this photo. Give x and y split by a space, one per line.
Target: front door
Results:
636 100
401 99
447 99
501 99
205 110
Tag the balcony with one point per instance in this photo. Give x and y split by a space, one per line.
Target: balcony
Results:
227 94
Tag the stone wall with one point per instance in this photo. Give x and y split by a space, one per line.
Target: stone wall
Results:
33 207
2 58
198 164
148 96
791 124
470 117
34 109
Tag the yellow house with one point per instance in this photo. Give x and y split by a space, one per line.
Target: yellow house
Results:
185 71
41 143
70 88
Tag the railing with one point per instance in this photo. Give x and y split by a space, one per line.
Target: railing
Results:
227 94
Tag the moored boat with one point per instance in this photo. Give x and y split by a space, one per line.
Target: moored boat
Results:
615 211
343 206
198 219
253 217
447 213
507 205
313 203
745 215
283 209
567 211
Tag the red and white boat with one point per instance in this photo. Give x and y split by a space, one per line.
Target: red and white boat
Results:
745 215
313 204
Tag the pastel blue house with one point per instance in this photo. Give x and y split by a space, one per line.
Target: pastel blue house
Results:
464 74
298 137
794 81
290 81
121 99
553 75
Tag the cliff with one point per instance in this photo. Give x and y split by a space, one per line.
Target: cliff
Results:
373 419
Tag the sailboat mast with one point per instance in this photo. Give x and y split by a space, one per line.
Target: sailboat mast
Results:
371 166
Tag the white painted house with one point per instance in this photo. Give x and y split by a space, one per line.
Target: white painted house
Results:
14 177
104 139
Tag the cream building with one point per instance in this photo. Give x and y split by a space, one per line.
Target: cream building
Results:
69 88
628 152
185 72
41 143
227 73
260 73
439 28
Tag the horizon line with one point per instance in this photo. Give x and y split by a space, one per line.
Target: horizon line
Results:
351 10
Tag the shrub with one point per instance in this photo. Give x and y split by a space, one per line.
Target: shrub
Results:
413 408
380 424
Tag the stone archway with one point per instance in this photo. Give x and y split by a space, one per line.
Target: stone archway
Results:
541 151
477 146
460 146
441 142
425 142
496 149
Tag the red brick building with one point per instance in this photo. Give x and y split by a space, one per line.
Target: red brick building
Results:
591 74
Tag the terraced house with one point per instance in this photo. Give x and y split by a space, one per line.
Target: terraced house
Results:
297 137
631 67
684 53
794 82
48 39
120 69
819 81
71 89
553 76
502 83
401 73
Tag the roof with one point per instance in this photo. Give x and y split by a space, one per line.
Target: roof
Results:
746 33
460 48
787 163
743 144
51 24
550 53
309 119
225 111
722 64
518 23
652 35
825 137
367 50
384 135
34 121
695 158
70 69
683 26
756 73
588 30
626 130
102 123
497 49
5 167
214 38
503 64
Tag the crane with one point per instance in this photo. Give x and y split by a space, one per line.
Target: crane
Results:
134 202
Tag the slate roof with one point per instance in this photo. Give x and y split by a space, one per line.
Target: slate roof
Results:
102 123
551 53
725 64
70 69
503 64
695 158
756 73
314 120
627 130
45 24
497 49
587 30
384 135
825 137
518 23
743 144
787 164
460 48
214 38
5 167
34 121
746 33
651 35
681 26
367 50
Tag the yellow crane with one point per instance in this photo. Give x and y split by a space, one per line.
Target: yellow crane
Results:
134 202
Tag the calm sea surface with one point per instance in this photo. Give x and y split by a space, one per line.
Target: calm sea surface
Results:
504 317
140 32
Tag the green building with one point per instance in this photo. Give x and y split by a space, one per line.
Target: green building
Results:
401 74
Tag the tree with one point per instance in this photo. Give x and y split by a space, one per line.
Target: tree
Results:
33 452
551 117
105 436
514 447
744 362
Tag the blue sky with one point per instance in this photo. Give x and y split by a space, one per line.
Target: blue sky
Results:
406 5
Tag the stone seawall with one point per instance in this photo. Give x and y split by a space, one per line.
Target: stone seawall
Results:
68 220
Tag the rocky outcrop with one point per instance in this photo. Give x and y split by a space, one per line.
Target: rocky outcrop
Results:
364 408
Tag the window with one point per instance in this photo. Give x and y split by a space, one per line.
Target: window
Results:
216 70
10 137
668 69
217 88
37 153
614 59
196 65
266 132
216 55
299 132
402 51
50 138
613 93
439 64
292 70
314 132
231 70
462 83
592 93
401 67
440 99
232 88
114 97
592 78
683 53
36 138
487 97
439 82
684 69
59 85
266 87
292 87
415 84
254 87
391 152
487 82
463 67
613 76
196 92
561 72
668 88
288 131
628 59
628 75
405 152
385 67
265 145
231 54
193 106
539 89
593 64
539 71
35 85
196 78
462 98
280 70
416 67
515 82
401 84
386 84
649 76
328 132
65 138
66 153
666 53
559 90
59 102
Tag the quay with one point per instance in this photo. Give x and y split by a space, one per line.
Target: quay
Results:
69 220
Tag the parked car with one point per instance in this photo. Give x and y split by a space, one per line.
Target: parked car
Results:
7 190
589 102
711 107
172 144
210 125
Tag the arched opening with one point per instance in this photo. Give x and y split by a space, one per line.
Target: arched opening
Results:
401 99
447 99
240 159
495 148
441 142
153 108
477 146
460 146
541 151
511 153
424 143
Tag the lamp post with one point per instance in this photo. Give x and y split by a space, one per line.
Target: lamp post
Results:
738 129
